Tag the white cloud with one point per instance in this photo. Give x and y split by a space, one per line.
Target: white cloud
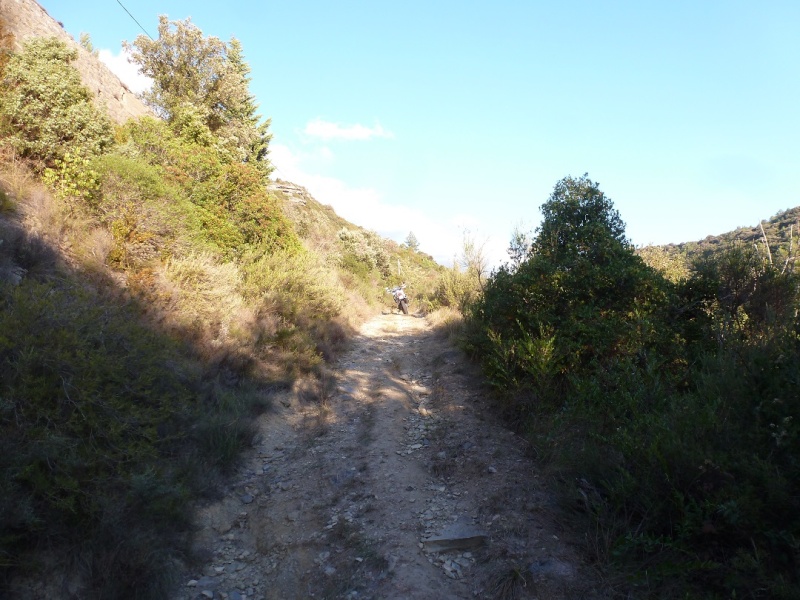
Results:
121 65
328 131
366 207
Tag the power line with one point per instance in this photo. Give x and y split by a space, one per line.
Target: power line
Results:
134 19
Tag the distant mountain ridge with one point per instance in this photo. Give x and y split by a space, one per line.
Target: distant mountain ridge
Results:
27 19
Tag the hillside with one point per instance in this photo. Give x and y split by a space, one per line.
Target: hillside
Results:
157 291
780 230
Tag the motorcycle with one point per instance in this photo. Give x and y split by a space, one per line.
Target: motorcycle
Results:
399 297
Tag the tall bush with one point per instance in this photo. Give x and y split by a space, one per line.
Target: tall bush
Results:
45 111
670 405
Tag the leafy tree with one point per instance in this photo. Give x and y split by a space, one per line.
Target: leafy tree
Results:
581 290
233 205
45 109
412 243
244 125
519 246
579 223
473 259
672 403
203 81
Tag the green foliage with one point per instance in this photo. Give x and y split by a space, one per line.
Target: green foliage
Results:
363 251
519 246
45 111
74 178
671 403
581 281
412 243
672 266
201 86
85 40
455 289
232 209
6 204
82 426
300 289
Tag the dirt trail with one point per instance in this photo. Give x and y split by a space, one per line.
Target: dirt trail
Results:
398 485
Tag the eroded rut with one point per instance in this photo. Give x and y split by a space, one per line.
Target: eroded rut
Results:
394 482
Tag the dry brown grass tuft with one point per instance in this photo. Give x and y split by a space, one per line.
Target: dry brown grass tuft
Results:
447 322
509 584
202 295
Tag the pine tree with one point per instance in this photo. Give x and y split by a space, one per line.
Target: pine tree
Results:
411 242
251 132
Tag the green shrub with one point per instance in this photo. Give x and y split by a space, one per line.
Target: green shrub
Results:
230 207
672 407
106 437
456 289
363 250
305 299
44 108
91 403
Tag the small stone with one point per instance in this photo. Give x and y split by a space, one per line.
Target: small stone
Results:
246 499
207 594
329 570
492 470
207 582
223 527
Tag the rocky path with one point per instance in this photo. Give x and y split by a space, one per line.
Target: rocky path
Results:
393 483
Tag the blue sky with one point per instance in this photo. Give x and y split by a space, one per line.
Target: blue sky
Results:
441 117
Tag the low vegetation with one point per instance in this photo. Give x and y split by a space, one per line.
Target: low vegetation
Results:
664 401
155 290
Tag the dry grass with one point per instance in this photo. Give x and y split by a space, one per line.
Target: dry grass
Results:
509 584
201 292
447 322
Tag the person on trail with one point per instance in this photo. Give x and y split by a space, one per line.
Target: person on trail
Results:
399 297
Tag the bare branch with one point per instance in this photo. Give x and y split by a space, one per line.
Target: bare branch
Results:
766 244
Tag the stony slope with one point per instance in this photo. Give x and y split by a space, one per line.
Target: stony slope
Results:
26 18
392 483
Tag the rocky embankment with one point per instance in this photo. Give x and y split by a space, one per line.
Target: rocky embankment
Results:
26 18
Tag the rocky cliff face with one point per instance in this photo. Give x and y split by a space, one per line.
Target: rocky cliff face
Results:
25 19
